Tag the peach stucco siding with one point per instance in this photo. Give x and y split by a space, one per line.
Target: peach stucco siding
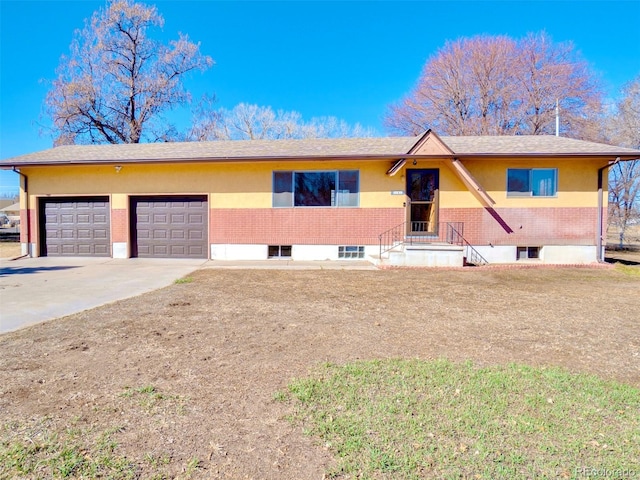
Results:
240 200
248 185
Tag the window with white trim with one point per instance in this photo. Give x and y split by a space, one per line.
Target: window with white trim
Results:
333 188
527 253
532 182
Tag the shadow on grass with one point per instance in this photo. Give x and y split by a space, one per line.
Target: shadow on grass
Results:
8 271
622 261
628 254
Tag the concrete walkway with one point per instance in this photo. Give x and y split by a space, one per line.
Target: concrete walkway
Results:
290 264
34 290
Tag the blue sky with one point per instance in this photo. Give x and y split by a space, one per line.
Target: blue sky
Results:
349 59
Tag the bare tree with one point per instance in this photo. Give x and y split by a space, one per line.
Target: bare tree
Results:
117 81
623 128
494 85
624 190
253 122
623 124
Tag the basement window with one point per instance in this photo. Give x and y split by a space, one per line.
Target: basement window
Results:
279 251
528 253
351 251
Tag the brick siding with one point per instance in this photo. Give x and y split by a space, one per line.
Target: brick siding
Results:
119 225
27 219
361 226
302 226
526 226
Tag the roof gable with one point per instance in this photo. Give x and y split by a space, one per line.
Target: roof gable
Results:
430 144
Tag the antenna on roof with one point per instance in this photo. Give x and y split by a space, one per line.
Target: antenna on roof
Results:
557 117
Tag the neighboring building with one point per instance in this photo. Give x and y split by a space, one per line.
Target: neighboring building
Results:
424 200
6 202
12 213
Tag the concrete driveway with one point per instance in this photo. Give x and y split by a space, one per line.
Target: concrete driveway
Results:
33 290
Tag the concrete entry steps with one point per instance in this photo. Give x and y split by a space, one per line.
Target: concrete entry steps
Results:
422 255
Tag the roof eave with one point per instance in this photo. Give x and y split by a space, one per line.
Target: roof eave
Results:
371 157
622 155
275 158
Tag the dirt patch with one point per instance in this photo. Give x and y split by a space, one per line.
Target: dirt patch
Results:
219 347
10 250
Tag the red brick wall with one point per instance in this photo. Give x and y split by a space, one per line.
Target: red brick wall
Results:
119 225
25 218
28 219
526 226
361 226
302 226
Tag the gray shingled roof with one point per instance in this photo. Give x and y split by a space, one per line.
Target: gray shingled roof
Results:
530 144
383 147
237 149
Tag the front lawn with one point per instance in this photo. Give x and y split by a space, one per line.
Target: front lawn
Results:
189 381
411 419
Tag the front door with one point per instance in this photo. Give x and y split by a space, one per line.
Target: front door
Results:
422 208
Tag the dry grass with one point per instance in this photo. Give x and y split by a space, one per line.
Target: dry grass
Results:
183 379
10 250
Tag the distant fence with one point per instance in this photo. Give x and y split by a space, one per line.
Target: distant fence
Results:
9 234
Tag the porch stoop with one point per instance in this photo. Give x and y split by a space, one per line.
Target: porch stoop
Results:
426 255
445 247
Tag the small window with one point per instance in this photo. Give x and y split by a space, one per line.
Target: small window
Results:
351 251
279 251
316 188
527 253
282 189
348 188
532 182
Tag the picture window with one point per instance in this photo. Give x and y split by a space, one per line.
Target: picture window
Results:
335 188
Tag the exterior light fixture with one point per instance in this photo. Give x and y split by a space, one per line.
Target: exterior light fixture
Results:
118 168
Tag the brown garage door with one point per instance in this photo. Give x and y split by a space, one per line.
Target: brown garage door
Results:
75 226
169 226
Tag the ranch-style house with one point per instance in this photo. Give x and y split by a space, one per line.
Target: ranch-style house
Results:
403 201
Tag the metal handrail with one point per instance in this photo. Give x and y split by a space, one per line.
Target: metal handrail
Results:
392 238
446 233
471 255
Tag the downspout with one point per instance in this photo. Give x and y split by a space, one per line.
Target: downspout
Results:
26 195
599 255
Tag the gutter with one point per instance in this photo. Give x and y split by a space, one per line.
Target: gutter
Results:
599 255
26 195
